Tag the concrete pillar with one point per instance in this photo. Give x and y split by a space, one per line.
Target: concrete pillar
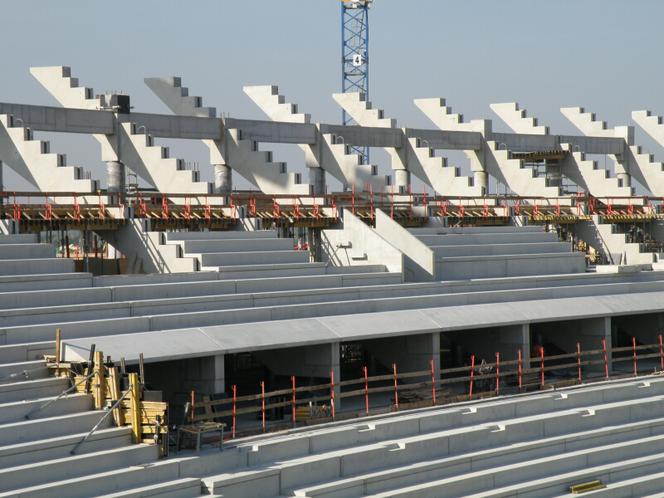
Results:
204 375
223 180
317 180
401 180
511 338
115 173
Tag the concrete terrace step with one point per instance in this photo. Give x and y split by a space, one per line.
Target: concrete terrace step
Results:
435 419
61 446
96 484
24 370
452 239
17 411
182 488
10 300
35 266
479 230
37 429
26 352
492 266
235 245
534 248
640 468
231 234
120 318
521 434
40 388
432 469
252 257
19 238
23 251
75 466
268 270
9 283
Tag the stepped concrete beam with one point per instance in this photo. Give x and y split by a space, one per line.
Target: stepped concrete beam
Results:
590 126
416 156
436 110
326 154
441 115
500 164
167 174
34 161
176 97
586 174
234 150
517 119
651 170
149 162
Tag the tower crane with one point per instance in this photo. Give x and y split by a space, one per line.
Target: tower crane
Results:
355 55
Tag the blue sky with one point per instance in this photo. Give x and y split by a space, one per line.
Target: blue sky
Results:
602 54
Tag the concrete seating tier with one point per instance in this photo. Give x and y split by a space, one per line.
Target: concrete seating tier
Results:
22 255
491 252
25 325
456 451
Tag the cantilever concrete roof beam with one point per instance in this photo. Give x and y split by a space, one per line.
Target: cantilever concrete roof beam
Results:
274 131
447 140
172 126
58 119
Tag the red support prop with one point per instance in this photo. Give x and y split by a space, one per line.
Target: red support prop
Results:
634 354
606 359
396 386
332 394
661 353
433 380
472 376
578 361
366 390
293 401
263 403
497 372
542 366
234 410
520 368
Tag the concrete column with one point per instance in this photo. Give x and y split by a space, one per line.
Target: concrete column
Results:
511 338
223 180
204 375
115 173
317 180
401 180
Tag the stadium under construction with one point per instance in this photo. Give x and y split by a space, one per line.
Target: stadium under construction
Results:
375 341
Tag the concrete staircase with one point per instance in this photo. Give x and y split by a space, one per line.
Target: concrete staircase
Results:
34 161
167 174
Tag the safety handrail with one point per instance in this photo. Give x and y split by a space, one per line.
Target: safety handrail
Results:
59 396
104 417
